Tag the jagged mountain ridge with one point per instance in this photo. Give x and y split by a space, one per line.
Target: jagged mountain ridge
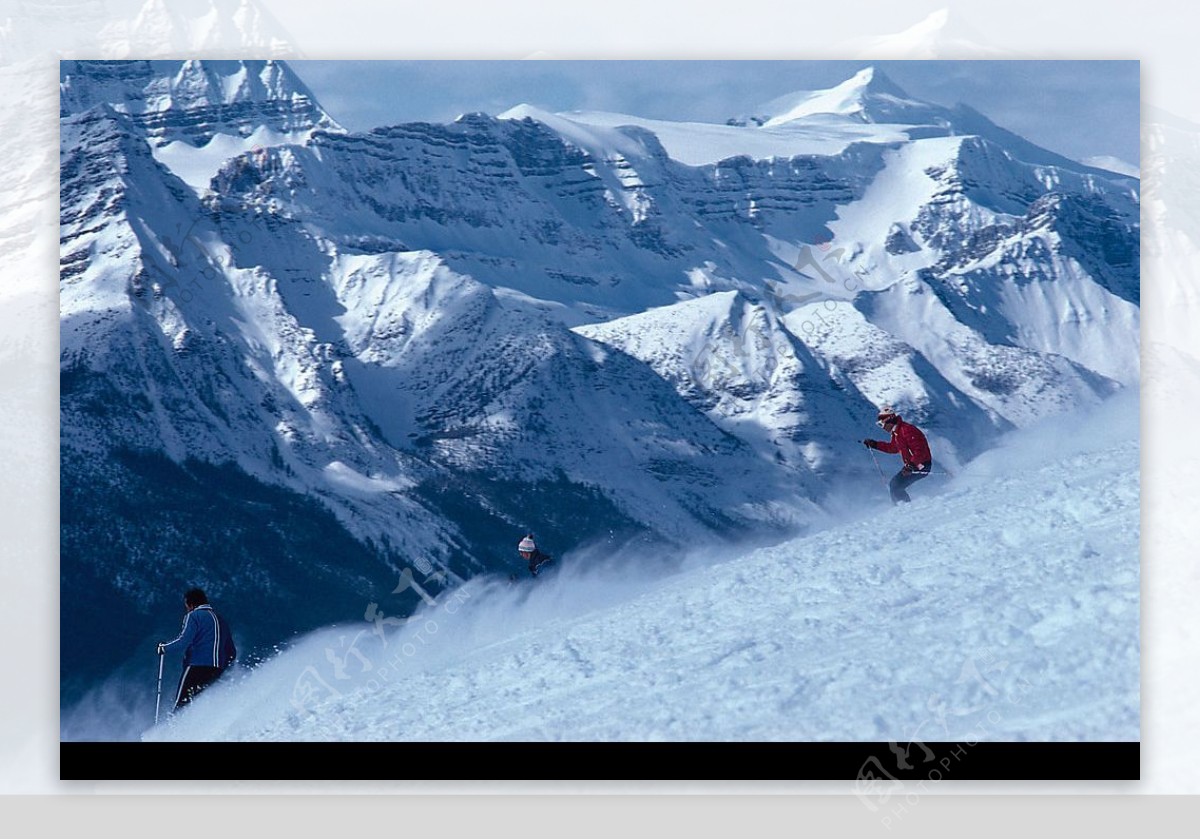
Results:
383 321
192 101
503 159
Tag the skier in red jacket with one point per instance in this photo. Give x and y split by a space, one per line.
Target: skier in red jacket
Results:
907 441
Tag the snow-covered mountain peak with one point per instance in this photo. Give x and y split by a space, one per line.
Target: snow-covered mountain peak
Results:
867 96
523 110
197 27
735 360
941 34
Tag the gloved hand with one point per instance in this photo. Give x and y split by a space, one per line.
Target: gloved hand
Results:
161 648
868 444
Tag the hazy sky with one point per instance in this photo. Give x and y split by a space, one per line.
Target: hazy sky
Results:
1076 108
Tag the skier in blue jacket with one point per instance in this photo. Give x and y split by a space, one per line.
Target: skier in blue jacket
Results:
206 643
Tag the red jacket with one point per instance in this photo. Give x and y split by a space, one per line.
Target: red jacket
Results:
909 442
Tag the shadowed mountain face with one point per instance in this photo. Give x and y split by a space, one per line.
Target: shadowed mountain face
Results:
298 361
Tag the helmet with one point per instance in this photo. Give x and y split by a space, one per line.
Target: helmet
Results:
887 416
527 545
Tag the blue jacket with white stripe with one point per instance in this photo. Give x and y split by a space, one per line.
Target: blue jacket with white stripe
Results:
205 639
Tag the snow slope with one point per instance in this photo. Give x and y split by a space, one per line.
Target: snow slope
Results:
700 144
1002 605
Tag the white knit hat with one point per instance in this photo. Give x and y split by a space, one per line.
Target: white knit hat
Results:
527 544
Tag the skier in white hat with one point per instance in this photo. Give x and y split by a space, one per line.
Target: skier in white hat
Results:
535 558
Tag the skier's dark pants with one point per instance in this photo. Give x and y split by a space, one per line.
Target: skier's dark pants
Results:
902 480
195 679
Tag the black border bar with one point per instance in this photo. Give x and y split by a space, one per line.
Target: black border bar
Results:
872 765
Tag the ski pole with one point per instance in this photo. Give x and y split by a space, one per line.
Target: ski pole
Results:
158 700
882 477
